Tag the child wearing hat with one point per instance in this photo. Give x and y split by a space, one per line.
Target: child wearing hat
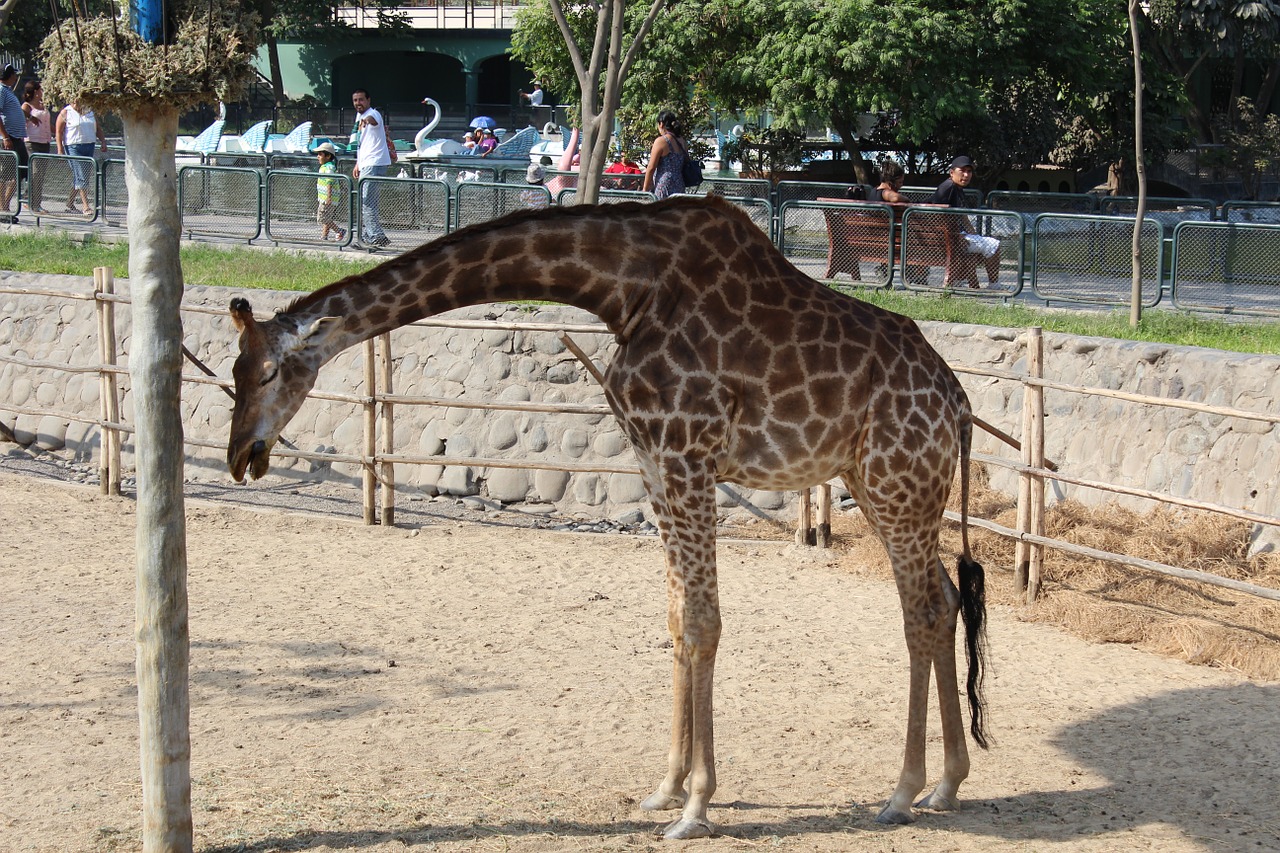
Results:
327 193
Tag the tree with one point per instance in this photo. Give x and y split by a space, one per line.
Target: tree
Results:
597 75
22 34
6 9
102 64
1189 37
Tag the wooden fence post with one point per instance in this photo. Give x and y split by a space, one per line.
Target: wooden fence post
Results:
804 522
1033 455
1021 553
388 469
368 478
824 516
109 405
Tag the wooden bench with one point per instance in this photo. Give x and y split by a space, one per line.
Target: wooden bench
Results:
861 232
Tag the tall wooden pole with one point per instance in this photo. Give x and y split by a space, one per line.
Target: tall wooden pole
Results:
1139 163
155 367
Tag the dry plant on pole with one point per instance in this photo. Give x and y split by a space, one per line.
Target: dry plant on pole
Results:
201 54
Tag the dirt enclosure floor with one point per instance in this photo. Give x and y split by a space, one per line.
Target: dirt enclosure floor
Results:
465 687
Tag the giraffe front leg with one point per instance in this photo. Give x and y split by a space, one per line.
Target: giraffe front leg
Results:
670 793
911 780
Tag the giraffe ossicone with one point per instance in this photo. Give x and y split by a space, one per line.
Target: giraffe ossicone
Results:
732 366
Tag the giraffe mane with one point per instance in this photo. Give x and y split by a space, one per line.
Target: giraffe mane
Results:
551 214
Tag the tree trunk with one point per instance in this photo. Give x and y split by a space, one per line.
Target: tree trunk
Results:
155 368
847 127
277 78
1139 163
1267 90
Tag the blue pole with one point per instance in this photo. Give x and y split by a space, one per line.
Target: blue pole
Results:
148 20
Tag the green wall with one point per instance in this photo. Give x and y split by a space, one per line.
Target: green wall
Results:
460 70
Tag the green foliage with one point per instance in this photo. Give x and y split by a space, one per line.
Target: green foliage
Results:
1251 147
767 150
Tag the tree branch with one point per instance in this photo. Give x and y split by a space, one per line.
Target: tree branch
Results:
6 9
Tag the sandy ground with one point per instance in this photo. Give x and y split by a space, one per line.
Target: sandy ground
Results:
462 687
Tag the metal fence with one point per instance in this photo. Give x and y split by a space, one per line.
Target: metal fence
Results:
113 193
220 201
476 202
1041 202
1250 211
1226 266
10 198
978 250
1089 259
1068 258
61 187
1167 211
295 212
921 195
830 241
567 195
452 175
401 213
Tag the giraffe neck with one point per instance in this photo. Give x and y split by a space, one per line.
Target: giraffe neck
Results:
598 259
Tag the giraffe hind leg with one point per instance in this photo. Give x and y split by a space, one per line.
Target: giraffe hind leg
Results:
955 750
908 522
681 491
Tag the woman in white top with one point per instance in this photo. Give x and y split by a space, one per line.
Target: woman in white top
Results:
76 132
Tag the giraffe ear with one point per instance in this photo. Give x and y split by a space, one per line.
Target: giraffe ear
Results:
318 330
241 314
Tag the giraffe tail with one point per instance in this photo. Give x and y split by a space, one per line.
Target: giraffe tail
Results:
973 602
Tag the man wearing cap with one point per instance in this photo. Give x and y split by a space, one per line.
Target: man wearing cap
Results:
951 193
13 131
374 154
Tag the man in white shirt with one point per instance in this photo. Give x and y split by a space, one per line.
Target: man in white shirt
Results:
535 101
374 153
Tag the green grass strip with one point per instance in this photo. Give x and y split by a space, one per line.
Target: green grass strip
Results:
279 269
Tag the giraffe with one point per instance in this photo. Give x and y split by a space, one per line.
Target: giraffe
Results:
731 365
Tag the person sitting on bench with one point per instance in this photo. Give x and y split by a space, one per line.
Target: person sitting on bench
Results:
951 193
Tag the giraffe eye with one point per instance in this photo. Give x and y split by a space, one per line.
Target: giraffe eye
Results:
266 380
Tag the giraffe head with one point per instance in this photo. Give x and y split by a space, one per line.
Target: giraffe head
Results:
277 366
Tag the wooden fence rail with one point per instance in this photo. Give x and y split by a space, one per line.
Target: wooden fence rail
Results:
378 458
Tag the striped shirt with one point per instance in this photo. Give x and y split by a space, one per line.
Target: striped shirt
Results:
15 120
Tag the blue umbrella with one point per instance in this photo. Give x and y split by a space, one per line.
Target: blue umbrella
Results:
483 121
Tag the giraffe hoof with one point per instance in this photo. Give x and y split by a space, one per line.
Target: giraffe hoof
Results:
891 816
684 829
660 802
938 803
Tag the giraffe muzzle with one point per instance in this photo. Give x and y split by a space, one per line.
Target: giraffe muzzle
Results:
253 458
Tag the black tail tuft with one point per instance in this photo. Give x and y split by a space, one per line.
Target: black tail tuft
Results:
973 607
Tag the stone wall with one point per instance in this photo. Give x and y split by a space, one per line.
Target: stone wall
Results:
1205 457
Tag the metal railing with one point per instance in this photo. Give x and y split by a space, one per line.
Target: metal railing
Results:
296 214
1067 258
10 197
1227 267
948 248
476 202
62 187
1089 259
830 241
220 201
